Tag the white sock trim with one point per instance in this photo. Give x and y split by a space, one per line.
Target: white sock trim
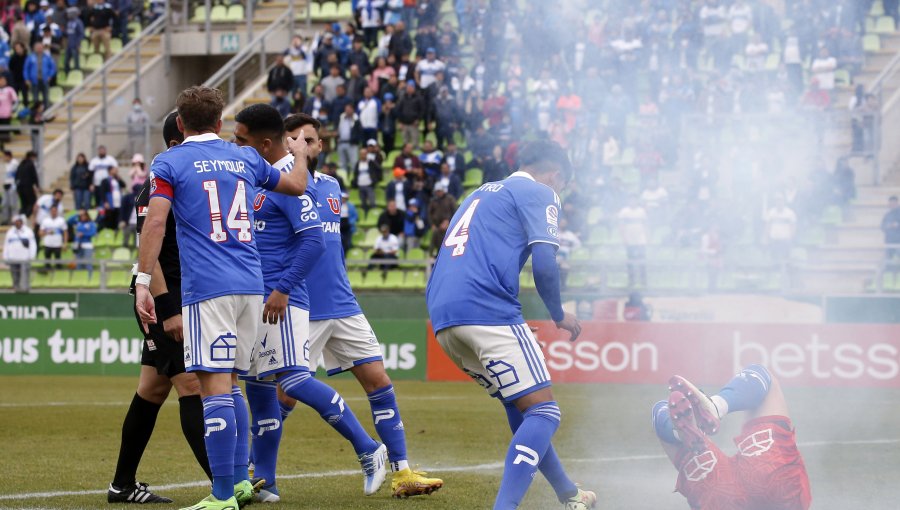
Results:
721 405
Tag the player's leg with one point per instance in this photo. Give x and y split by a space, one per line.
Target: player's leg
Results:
266 433
744 392
190 409
137 428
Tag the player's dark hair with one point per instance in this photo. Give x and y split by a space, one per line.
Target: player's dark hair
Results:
170 130
57 190
298 120
535 154
200 108
262 120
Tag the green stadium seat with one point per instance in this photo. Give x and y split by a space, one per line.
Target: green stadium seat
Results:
236 12
576 280
119 279
813 236
86 47
92 62
414 280
115 45
5 279
877 9
580 254
356 279
218 14
842 78
617 279
134 28
772 61
82 279
41 279
74 79
121 253
56 94
394 279
359 237
526 280
474 177
105 238
199 14
370 219
595 214
371 235
871 42
315 11
373 280
885 25
329 11
345 10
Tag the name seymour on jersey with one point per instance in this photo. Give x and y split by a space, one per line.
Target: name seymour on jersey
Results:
216 165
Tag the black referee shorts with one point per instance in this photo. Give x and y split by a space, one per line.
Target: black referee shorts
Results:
160 350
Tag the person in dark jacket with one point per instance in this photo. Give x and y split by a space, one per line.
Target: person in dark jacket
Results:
455 160
410 111
80 178
100 19
280 78
450 180
17 70
27 183
440 211
446 116
495 168
366 175
113 191
359 58
74 36
394 218
39 71
401 44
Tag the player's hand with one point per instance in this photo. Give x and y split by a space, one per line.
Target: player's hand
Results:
174 328
275 307
146 308
570 324
298 147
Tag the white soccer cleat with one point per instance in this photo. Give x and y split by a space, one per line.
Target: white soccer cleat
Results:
584 500
267 495
374 468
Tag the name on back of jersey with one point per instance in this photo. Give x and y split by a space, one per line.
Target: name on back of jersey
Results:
491 187
218 165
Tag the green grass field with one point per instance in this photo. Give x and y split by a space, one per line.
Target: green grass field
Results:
850 439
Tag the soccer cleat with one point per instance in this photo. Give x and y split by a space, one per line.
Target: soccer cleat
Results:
374 468
211 503
683 420
265 494
407 482
584 500
705 411
245 490
137 493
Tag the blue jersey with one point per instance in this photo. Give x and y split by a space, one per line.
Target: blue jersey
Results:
334 298
211 184
278 219
476 276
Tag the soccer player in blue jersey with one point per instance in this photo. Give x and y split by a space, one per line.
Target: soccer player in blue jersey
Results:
290 241
210 184
473 301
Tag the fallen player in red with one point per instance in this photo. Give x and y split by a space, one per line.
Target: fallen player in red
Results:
767 473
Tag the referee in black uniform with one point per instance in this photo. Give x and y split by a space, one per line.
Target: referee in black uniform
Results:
162 364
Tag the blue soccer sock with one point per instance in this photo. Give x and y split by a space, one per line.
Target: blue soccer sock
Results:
745 391
662 423
330 406
266 429
242 443
220 438
389 426
550 465
285 410
526 450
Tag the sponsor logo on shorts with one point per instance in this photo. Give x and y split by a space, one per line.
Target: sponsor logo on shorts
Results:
273 361
223 348
700 466
504 373
151 345
757 443
264 354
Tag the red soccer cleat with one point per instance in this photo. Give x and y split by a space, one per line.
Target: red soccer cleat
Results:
683 420
705 412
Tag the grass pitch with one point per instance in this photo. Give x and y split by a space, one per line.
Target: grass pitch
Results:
62 437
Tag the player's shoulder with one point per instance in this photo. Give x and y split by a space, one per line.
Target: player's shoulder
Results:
525 189
324 181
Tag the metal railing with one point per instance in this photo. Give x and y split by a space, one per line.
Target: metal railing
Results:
101 271
64 110
226 77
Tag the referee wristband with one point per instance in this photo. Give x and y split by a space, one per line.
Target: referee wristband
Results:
142 279
167 306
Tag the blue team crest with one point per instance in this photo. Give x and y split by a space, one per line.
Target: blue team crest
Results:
223 348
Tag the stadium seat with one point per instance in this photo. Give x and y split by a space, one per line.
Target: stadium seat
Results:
414 280
199 14
474 177
86 47
616 279
41 279
370 219
119 279
92 62
871 42
115 45
772 61
885 25
74 79
842 77
121 253
218 14
580 254
82 279
394 279
105 238
813 236
877 9
372 280
345 10
235 12
371 235
576 280
56 94
315 11
5 279
359 237
356 279
134 28
595 214
329 11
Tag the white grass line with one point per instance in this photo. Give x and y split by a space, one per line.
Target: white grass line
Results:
492 466
174 401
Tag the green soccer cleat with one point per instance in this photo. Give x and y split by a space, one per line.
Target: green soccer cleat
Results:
245 490
211 503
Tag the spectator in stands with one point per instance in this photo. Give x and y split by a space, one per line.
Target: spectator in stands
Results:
393 217
80 182
388 122
410 112
39 71
635 309
34 17
8 102
446 115
316 103
440 210
430 159
348 139
83 246
822 68
356 84
349 219
100 20
137 174
122 10
58 13
427 69
781 228
569 242
17 69
401 44
331 83
711 250
386 248
398 189
10 202
891 8
339 103
282 103
299 57
654 199
890 225
633 228
138 127
414 227
27 184
113 189
280 80
100 165
381 74
360 58
74 36
51 37
45 203
128 219
369 108
373 152
450 180
54 234
844 181
366 175
19 248
368 17
494 167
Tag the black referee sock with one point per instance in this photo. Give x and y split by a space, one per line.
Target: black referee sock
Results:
136 431
191 410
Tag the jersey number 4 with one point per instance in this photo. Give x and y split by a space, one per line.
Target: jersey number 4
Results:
238 217
459 234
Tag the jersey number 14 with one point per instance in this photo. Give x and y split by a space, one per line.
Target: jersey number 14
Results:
238 218
459 234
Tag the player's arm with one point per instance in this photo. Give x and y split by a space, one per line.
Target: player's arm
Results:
168 305
151 242
293 182
312 246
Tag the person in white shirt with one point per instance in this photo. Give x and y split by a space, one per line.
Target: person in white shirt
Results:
755 54
654 199
19 248
386 248
369 111
369 12
347 143
633 228
10 197
781 227
428 68
54 235
823 69
99 167
45 203
299 57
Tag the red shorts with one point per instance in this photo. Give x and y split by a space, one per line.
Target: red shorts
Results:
767 473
